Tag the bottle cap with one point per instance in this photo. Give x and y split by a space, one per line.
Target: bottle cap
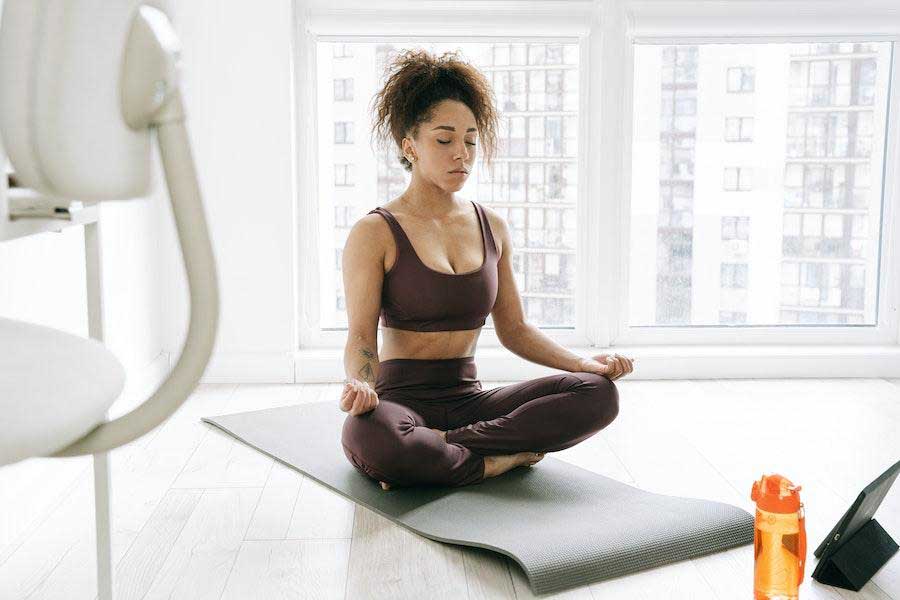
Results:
776 493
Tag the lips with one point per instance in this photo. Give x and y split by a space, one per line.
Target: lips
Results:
458 171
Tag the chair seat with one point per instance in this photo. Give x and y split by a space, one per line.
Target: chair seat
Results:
54 388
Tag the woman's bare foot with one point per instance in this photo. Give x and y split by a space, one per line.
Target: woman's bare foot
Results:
497 465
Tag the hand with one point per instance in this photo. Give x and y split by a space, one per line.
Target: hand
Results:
613 365
358 398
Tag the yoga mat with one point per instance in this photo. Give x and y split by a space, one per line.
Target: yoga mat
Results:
565 526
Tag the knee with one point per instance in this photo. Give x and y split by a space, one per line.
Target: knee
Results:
373 437
601 397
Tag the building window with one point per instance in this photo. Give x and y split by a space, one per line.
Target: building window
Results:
733 275
343 175
738 129
735 228
343 132
740 79
738 179
343 216
343 89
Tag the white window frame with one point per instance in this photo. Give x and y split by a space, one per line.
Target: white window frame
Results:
564 21
701 21
602 29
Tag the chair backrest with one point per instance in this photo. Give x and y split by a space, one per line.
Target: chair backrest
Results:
60 105
63 98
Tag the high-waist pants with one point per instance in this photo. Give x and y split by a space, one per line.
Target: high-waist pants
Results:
394 443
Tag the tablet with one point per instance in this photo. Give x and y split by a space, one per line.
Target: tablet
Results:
859 513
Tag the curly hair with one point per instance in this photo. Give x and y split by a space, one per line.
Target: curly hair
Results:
415 82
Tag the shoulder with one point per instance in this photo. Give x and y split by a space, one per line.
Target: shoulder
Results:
499 227
370 229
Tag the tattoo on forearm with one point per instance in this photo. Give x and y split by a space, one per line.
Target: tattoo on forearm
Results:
366 372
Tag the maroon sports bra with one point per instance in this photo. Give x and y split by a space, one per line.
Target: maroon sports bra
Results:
418 298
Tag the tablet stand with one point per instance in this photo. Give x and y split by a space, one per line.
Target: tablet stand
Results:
860 557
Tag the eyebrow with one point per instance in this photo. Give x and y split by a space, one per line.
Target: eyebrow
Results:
449 128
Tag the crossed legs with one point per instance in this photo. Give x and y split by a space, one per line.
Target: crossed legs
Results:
396 442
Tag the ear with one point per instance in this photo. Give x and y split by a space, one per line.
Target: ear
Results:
408 150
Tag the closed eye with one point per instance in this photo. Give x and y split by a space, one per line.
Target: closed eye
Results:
448 141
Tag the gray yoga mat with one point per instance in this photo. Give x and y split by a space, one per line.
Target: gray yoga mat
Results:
564 525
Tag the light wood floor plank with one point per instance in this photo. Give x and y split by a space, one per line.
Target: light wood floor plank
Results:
139 567
289 569
388 561
202 557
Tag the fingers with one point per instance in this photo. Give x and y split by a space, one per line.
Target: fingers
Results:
358 398
619 365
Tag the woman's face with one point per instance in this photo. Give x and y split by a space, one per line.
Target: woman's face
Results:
444 148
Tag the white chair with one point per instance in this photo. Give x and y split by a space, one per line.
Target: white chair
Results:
83 87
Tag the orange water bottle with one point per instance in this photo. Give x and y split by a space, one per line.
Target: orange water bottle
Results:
779 539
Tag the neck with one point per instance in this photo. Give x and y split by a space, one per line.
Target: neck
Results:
427 199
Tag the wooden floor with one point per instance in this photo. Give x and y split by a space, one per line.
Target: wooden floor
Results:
198 515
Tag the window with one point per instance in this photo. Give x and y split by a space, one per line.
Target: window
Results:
738 179
533 182
343 175
343 216
735 228
738 129
733 275
343 132
740 79
817 162
812 139
343 89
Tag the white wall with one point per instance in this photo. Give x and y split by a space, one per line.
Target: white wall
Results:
237 74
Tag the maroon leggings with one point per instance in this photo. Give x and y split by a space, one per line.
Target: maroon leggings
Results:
394 443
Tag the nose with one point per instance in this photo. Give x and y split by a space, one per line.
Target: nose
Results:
463 152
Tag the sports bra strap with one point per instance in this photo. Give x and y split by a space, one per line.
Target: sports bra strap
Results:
490 245
399 235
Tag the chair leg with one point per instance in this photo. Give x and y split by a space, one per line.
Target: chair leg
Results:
102 514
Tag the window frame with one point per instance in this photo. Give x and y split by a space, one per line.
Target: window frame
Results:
607 29
565 21
699 22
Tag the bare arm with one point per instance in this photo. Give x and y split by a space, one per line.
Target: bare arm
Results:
513 331
363 272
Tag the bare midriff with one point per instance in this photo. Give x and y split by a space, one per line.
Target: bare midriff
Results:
401 343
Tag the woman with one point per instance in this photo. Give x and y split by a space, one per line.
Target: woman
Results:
434 266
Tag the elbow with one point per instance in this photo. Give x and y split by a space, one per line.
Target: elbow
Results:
509 335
